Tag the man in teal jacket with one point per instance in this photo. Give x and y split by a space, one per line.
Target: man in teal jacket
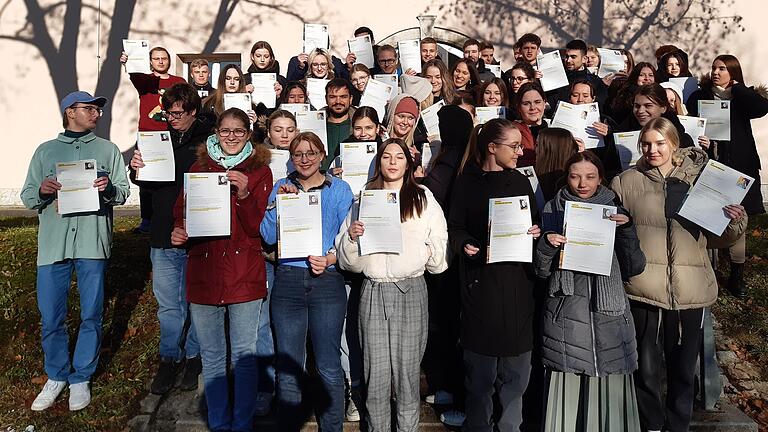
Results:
76 241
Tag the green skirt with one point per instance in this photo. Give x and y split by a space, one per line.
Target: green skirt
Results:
580 403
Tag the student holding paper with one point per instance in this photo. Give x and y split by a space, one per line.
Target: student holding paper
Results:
520 74
529 104
650 102
678 282
593 309
225 278
620 106
60 251
309 294
300 66
393 304
231 80
497 299
675 98
402 116
365 127
294 92
359 75
465 76
726 82
493 93
673 64
436 72
263 61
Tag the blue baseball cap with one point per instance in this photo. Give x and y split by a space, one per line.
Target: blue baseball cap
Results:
81 97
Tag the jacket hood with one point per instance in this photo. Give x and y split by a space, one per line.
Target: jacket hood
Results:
274 69
455 126
679 52
260 156
689 163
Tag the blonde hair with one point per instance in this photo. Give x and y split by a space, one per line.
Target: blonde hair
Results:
320 52
668 130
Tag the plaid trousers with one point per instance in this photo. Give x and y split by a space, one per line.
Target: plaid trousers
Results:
393 335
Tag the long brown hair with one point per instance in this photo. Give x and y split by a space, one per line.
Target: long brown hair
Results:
553 148
447 90
263 45
215 100
732 65
413 199
482 135
502 89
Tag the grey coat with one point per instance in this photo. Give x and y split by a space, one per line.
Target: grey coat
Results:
576 338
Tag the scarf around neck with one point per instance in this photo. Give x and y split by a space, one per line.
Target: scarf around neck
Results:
227 161
609 298
721 93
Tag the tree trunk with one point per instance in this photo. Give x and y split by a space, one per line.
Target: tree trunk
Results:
596 19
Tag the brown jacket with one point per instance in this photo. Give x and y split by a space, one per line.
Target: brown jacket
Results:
678 273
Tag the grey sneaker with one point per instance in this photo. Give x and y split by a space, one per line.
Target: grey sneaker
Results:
79 396
47 396
353 415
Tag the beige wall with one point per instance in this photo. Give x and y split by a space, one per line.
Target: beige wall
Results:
30 114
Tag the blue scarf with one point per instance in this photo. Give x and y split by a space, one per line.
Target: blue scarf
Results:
223 159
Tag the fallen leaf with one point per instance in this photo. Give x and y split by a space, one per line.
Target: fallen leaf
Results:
40 379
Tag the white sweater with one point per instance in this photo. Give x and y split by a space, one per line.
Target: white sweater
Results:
425 246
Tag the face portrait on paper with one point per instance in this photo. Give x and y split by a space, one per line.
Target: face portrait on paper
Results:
742 182
89 165
222 179
392 198
313 200
724 105
370 149
523 204
607 213
164 137
700 123
528 173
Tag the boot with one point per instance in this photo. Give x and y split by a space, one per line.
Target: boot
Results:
736 285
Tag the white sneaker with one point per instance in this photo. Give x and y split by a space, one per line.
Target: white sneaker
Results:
352 414
47 396
441 397
453 418
79 396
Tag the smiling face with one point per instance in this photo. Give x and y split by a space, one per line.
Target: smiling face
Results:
233 135
508 149
581 94
231 81
404 122
574 60
583 179
656 150
307 159
646 109
673 66
319 66
646 76
720 75
492 96
428 52
364 129
261 58
393 163
461 75
671 97
281 132
359 79
432 74
532 107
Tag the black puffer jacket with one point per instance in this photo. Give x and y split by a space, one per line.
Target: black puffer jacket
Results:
576 337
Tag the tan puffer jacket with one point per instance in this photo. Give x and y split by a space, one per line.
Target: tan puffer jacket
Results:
678 273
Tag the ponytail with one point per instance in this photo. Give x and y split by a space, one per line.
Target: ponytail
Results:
481 136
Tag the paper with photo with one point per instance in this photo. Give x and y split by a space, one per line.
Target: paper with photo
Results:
694 127
718 115
362 48
316 36
77 193
572 118
293 108
530 173
495 70
313 121
264 89
430 119
357 161
380 215
717 186
627 144
409 52
280 164
390 79
483 114
429 152
157 153
590 237
207 204
552 71
376 95
238 100
300 231
509 220
138 56
316 92
688 84
611 61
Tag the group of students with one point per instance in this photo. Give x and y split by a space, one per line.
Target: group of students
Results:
603 341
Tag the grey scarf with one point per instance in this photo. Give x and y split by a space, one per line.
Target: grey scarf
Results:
609 298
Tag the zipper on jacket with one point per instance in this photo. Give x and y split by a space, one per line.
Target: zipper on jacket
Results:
592 324
668 282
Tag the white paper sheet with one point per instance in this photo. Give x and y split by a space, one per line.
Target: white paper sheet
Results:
238 100
552 70
590 237
280 164
207 204
429 152
509 219
376 95
410 55
495 70
380 215
316 92
316 36
572 118
591 138
390 79
718 115
294 108
611 61
483 114
138 56
300 228
362 48
694 127
530 173
716 187
77 193
430 119
357 161
157 153
313 121
264 89
688 84
627 146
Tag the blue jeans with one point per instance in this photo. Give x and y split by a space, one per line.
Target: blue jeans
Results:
177 334
53 282
300 303
265 348
236 415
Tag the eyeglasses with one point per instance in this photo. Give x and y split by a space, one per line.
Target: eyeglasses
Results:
519 79
91 110
514 147
319 65
310 155
387 61
174 114
239 133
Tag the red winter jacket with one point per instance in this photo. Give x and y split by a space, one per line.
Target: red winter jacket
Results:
227 270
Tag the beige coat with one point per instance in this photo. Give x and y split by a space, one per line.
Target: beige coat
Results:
678 273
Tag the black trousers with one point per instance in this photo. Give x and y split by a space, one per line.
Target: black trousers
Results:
674 342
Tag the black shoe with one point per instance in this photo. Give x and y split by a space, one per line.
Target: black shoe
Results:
165 377
192 370
736 285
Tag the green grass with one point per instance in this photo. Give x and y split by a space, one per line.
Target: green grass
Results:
129 347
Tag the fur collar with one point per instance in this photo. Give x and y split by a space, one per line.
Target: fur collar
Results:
259 157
